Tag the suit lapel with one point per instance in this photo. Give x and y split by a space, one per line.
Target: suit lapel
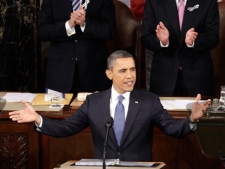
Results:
103 104
104 108
67 5
171 13
134 106
188 17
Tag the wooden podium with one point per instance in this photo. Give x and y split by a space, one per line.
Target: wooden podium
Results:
69 165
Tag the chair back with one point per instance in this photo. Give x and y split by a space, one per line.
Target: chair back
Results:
128 31
218 53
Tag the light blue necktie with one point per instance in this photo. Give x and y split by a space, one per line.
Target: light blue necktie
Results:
75 4
119 119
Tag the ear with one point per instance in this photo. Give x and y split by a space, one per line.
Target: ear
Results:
108 74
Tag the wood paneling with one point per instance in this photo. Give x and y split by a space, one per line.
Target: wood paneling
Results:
18 146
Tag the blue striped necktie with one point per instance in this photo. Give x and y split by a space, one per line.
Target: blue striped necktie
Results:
75 4
119 119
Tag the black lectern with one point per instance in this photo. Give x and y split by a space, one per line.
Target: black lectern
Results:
211 134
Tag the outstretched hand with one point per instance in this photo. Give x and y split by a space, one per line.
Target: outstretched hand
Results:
198 110
26 115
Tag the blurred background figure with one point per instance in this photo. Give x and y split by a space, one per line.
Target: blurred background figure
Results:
76 58
182 64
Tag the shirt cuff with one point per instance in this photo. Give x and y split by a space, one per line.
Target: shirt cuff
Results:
83 27
70 31
193 126
40 125
191 46
164 46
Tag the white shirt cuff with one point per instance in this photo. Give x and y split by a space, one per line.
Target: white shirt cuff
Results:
193 126
164 46
40 125
191 46
83 27
70 31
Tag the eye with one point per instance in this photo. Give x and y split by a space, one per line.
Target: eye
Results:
122 70
133 69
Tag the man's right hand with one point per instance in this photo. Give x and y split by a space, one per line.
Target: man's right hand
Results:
78 16
26 115
72 21
162 33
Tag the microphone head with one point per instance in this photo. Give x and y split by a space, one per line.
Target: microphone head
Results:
109 122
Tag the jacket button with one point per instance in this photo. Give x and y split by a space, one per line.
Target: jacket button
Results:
76 41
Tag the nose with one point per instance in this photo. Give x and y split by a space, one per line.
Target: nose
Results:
130 74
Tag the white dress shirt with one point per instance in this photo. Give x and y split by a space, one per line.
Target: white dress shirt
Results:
114 101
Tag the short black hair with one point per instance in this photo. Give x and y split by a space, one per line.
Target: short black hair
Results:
116 55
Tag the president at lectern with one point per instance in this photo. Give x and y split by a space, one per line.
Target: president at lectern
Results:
135 113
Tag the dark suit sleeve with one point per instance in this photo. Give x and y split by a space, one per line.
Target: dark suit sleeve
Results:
148 34
51 21
208 33
67 127
167 124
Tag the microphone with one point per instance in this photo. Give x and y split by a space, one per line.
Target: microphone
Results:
108 125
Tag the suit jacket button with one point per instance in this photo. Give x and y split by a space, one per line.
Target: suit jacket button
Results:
76 41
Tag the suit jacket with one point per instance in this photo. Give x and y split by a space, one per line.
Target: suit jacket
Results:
196 63
145 111
88 47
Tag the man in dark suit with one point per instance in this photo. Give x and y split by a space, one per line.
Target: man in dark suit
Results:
181 64
77 54
142 109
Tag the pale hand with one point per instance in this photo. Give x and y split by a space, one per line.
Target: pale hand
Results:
79 16
26 115
198 110
191 36
162 33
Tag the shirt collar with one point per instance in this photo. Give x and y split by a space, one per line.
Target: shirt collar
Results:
115 94
177 2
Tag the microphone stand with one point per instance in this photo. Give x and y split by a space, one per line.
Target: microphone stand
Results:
108 125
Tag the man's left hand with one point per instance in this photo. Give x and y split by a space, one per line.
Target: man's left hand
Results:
198 110
191 36
79 16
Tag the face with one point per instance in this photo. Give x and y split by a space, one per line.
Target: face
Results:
123 75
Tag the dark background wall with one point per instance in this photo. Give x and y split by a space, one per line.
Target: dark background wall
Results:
19 48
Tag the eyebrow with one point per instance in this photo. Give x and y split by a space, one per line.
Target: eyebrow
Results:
127 68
